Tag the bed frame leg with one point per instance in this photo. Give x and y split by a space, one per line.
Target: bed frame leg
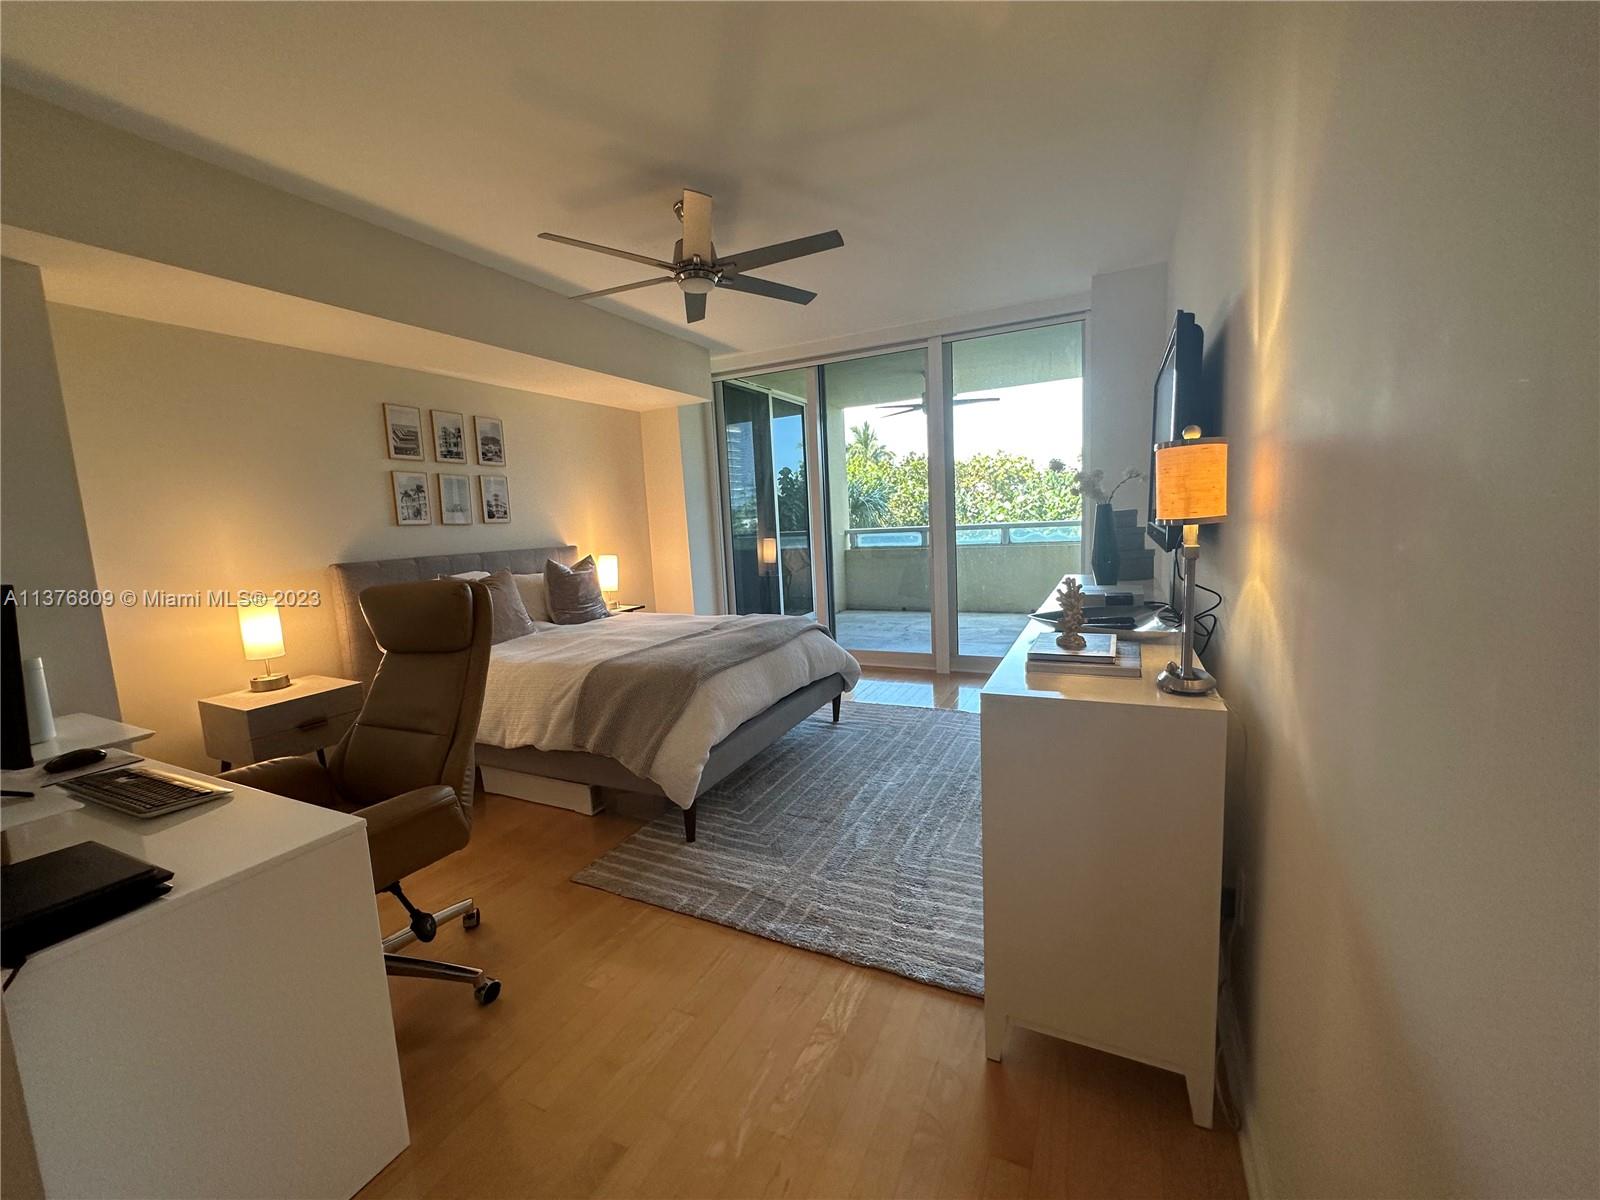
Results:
688 824
837 703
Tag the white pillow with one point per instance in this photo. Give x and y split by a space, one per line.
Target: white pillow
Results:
534 599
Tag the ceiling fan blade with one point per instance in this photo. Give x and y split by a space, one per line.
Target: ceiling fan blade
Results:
764 256
694 306
626 287
615 253
765 287
696 213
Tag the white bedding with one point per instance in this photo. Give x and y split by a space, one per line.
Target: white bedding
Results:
534 681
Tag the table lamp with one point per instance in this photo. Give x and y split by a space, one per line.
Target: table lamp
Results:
606 569
1191 490
262 634
769 554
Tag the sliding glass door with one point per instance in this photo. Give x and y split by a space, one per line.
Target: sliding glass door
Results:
875 414
943 506
766 494
1016 445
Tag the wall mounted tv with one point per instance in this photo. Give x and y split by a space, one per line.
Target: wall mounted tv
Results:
1179 400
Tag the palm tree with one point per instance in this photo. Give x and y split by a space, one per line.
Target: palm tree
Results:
864 444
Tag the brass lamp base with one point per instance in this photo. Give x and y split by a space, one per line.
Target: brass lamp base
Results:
268 683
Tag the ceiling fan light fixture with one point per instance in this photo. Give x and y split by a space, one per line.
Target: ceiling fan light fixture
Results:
697 281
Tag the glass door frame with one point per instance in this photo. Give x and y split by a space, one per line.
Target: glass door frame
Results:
940 400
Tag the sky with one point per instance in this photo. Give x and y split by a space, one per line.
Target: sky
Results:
1040 420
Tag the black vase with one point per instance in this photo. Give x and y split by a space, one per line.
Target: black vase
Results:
1106 559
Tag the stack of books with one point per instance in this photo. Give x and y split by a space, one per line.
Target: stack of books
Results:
1107 607
1102 654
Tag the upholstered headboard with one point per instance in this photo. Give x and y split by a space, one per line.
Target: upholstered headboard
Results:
361 653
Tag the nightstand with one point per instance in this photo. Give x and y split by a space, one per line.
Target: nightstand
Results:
628 608
311 713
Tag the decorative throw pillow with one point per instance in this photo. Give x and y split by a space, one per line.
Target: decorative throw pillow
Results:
510 618
574 592
534 598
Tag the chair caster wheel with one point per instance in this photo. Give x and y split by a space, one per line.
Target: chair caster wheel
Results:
487 992
470 918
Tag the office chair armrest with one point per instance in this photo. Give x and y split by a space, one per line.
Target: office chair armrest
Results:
407 832
300 778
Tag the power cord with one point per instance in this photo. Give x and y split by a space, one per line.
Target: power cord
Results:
1205 621
1230 1111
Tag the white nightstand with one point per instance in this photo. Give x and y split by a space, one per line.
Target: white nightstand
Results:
311 713
624 608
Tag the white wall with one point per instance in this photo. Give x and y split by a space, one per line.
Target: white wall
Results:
1128 326
210 462
680 482
77 179
1389 233
46 545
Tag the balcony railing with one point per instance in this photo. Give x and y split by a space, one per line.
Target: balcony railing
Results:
1000 533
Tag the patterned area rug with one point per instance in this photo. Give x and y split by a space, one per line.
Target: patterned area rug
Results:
861 840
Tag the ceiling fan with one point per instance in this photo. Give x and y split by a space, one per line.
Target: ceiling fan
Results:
912 406
697 270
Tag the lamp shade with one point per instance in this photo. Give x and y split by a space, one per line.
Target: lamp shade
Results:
769 551
260 630
607 567
1192 481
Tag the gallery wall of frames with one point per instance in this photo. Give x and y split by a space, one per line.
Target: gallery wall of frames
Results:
450 439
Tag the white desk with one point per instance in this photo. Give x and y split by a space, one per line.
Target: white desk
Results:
232 1039
81 731
1102 863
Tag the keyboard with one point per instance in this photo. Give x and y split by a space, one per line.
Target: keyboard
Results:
141 791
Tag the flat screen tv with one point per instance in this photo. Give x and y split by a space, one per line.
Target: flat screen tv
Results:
1179 401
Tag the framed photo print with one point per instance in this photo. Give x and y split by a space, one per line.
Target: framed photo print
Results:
411 505
496 499
402 426
455 499
449 437
491 441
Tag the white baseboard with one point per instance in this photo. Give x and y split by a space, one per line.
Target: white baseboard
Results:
558 793
1257 1178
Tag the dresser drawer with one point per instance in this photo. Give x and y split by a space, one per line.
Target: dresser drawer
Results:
243 727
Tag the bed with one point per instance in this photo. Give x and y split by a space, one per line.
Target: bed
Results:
530 735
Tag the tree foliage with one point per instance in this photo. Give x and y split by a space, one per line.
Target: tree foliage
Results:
888 489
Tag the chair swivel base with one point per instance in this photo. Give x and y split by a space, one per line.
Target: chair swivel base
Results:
485 989
424 927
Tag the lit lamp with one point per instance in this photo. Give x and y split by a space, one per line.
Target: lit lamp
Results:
1191 490
262 634
606 568
769 554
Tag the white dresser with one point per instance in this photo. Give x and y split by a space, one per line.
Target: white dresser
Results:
231 1039
1102 863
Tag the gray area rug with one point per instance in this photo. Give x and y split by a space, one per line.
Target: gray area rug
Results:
861 840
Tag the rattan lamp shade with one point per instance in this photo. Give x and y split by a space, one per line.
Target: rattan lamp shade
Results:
1192 481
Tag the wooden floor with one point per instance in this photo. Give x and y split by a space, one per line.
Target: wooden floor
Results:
637 1052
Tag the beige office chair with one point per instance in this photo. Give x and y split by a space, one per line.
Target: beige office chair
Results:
406 764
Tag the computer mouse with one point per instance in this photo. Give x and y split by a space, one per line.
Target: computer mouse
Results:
73 759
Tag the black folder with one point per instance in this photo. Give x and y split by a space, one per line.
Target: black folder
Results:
50 898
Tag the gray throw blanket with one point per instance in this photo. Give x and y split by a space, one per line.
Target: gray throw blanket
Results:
627 705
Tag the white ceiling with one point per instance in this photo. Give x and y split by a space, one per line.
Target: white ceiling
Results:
973 155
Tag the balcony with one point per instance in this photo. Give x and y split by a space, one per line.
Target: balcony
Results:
1002 572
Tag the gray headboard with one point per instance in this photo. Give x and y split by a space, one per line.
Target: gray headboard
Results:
361 653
